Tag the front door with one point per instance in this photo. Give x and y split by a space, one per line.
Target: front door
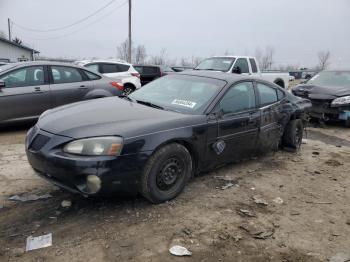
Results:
26 93
239 122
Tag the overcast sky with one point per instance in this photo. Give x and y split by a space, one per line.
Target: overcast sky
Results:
297 29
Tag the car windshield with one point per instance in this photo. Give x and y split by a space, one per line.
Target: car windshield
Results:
181 93
216 63
331 78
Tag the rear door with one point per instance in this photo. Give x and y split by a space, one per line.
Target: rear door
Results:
68 85
270 103
26 94
238 127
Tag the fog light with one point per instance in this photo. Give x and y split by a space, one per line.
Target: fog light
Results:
93 183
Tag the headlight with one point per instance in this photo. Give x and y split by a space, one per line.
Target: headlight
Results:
96 146
341 101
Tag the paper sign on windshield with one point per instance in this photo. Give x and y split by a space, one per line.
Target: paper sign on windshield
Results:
185 103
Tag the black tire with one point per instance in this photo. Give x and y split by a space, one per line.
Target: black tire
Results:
166 173
128 89
347 122
293 135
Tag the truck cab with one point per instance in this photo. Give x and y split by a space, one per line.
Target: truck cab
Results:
245 65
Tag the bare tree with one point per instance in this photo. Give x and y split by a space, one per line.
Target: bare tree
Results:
122 50
196 60
140 54
266 58
159 59
323 60
184 62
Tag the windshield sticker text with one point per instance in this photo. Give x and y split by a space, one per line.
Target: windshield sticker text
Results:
185 103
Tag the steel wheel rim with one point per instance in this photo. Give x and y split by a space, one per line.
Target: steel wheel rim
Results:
127 91
170 174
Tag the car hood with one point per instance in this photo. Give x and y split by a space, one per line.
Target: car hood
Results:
322 92
112 116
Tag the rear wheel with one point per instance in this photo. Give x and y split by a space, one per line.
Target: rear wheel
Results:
128 89
347 122
166 173
293 135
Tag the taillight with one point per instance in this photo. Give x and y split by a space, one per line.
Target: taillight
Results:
136 74
117 85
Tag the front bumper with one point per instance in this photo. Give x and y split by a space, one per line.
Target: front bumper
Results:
322 109
118 175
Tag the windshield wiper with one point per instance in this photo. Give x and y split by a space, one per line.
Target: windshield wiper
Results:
146 103
126 97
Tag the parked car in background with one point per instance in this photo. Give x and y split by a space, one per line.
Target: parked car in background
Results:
245 65
291 78
148 73
155 139
181 68
329 92
116 69
27 89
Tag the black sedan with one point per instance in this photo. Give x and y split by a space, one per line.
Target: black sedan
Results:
329 92
153 141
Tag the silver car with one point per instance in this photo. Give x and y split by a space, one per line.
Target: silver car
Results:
28 89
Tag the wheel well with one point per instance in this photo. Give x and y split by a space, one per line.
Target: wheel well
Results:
279 82
130 85
188 146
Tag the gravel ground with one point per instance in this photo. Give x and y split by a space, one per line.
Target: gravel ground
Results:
278 207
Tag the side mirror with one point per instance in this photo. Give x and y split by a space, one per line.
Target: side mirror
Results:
236 70
2 84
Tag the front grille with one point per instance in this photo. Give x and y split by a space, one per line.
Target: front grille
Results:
38 142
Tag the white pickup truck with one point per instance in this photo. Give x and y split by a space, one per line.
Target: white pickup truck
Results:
245 65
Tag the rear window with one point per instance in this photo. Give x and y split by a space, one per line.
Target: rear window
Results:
123 68
147 69
253 65
110 68
268 95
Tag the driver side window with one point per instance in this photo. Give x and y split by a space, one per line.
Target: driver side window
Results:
238 98
242 64
28 76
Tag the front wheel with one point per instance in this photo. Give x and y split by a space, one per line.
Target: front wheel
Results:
166 173
293 135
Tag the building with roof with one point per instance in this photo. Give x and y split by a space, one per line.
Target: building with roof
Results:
13 52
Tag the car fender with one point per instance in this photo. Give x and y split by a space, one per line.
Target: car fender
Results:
193 138
97 93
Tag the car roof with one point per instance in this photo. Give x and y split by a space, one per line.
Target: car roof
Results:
113 61
52 63
217 75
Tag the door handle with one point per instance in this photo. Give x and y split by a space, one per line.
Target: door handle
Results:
37 90
83 87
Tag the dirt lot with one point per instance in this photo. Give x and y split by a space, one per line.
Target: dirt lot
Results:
216 224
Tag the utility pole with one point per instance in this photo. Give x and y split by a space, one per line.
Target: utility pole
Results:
130 42
9 26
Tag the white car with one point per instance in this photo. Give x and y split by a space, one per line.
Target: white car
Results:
115 69
291 78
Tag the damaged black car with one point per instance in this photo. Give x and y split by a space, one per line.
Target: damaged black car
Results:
329 93
154 140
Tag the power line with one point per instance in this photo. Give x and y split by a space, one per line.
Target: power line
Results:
94 22
66 26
